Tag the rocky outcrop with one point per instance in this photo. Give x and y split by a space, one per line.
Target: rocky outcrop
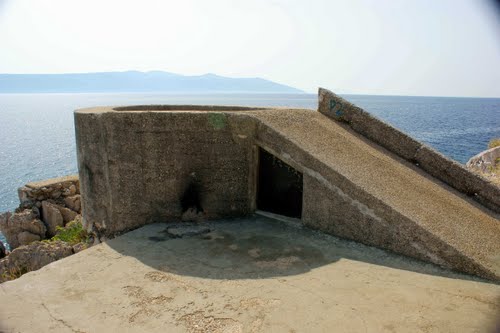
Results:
22 228
32 257
487 164
486 161
44 206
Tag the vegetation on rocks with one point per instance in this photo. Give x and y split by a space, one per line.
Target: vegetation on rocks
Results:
487 163
68 240
73 233
31 257
494 143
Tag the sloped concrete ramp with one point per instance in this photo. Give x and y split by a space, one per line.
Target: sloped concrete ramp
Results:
358 190
246 275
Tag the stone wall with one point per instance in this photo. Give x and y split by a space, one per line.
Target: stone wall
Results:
44 206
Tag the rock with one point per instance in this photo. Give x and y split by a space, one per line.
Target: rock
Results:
3 250
34 193
5 227
32 257
26 237
487 165
192 215
73 202
79 247
24 198
485 161
52 218
11 225
72 190
27 221
67 214
36 211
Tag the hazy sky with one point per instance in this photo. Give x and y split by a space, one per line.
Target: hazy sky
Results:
412 47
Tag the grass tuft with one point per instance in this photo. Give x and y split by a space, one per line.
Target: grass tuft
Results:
73 233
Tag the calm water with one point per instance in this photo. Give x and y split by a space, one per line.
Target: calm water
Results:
37 138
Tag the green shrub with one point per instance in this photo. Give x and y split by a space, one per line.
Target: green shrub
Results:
72 233
494 143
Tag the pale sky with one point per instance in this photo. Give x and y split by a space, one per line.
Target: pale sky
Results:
397 47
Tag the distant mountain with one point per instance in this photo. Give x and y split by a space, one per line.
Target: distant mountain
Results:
133 81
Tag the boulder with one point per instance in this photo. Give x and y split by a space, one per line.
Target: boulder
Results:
70 191
80 247
67 214
26 220
52 217
73 202
12 225
485 161
26 237
56 194
5 227
32 257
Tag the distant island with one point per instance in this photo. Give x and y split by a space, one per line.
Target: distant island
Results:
134 81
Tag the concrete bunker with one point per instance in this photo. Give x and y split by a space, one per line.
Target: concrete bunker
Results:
343 172
279 186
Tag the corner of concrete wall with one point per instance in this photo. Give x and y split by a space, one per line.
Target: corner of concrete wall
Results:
399 143
92 168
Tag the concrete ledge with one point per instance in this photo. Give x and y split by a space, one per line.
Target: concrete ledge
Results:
437 165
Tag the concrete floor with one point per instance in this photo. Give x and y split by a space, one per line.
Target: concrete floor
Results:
246 275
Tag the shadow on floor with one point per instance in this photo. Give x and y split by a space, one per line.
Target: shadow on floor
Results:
252 248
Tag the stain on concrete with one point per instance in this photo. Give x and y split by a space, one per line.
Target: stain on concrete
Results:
217 120
199 322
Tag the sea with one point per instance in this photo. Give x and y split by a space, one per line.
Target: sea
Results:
37 137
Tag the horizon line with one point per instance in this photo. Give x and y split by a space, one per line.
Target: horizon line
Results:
215 92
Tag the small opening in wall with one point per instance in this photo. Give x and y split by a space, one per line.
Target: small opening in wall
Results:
279 188
190 201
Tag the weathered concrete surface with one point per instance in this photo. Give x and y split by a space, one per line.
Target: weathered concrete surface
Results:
135 166
437 165
136 163
256 275
357 190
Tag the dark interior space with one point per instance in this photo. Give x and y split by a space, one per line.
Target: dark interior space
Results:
279 186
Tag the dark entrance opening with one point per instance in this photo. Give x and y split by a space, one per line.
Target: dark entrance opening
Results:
279 188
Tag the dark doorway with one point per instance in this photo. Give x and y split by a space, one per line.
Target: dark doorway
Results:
279 186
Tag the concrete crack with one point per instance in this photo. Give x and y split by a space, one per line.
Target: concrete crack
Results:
60 320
